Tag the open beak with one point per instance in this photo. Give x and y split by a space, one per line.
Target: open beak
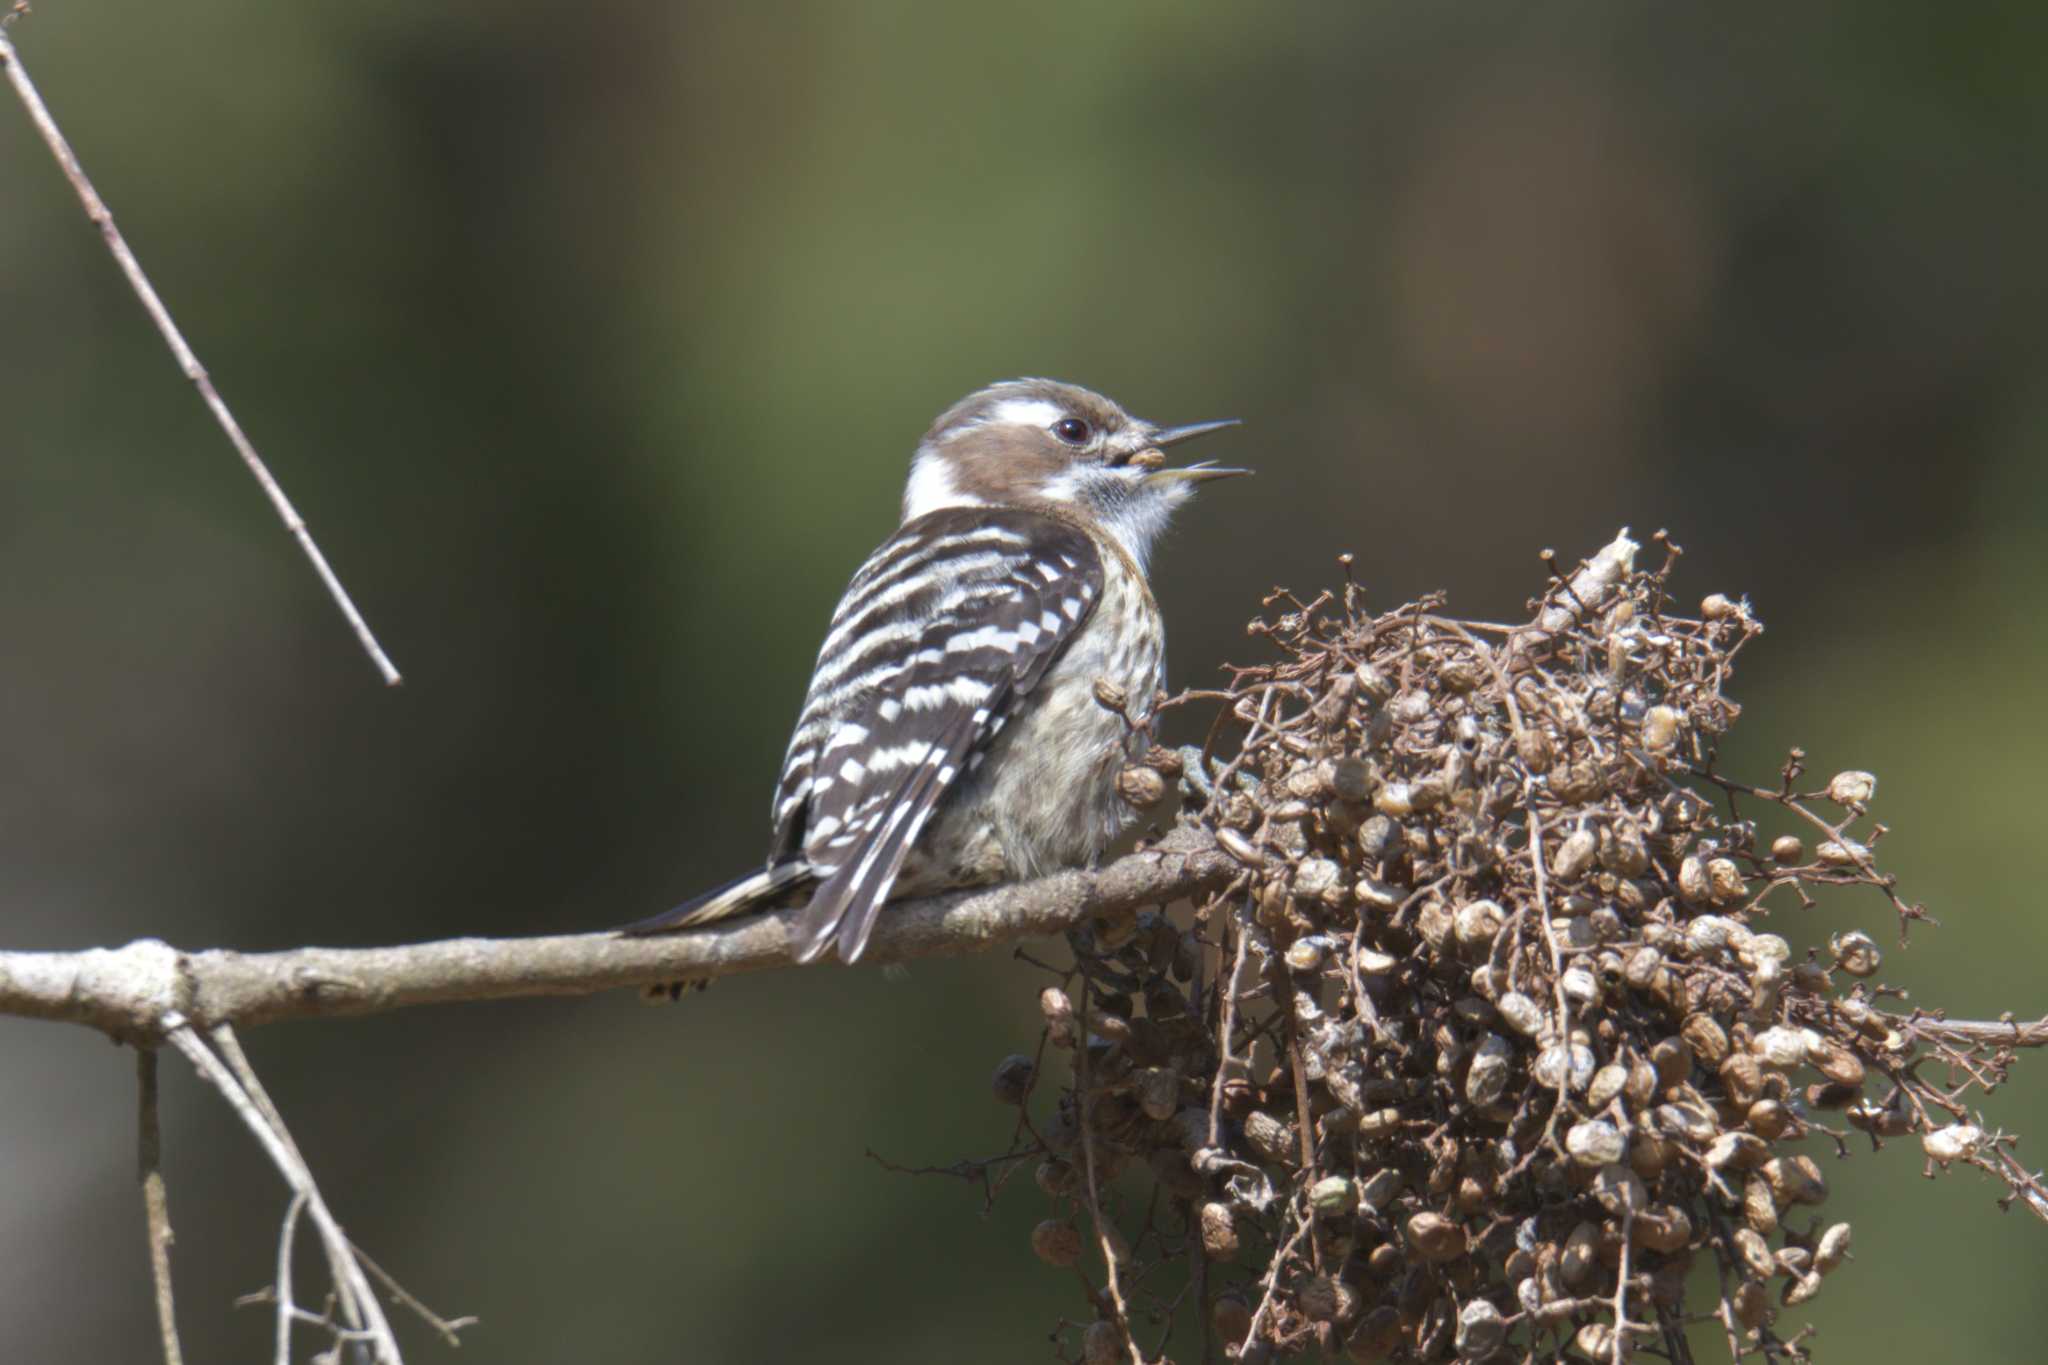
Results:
1194 473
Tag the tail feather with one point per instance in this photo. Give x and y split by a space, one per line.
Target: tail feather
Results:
742 896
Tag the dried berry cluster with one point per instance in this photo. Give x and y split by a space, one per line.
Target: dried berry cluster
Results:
1489 1048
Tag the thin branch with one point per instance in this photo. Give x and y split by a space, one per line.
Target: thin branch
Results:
359 1306
149 1148
129 992
188 363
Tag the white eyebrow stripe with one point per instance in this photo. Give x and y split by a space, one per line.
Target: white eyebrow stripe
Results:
1033 412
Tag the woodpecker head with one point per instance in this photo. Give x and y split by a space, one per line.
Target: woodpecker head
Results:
1036 443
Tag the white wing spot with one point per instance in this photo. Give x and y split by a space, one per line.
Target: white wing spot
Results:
1072 607
852 771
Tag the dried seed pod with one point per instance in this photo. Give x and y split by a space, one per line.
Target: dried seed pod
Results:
1794 1180
1334 1195
1219 1231
1750 1304
1304 954
1693 885
1476 923
1012 1079
1707 1039
1595 1143
1376 895
1956 1142
1835 1062
1435 1237
1664 1228
1574 855
1380 837
1724 880
1580 987
1742 1076
1660 728
1564 1065
1480 1330
1058 1012
1856 953
1055 1177
1598 1341
1881 1120
1842 853
1533 747
1756 1253
1373 962
1270 1137
1140 787
1716 607
1608 1083
1780 1047
1737 1151
1057 1243
1852 789
1639 969
1101 1344
1799 1290
1158 1090
1581 1249
1788 848
1769 1119
1650 1154
1672 1060
1832 1249
1522 1014
1487 1078
1706 935
1619 1190
1232 1318
1376 1336
1379 1190
1759 1206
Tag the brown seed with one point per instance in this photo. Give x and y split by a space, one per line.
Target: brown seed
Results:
1057 1243
1795 1180
1724 880
1672 1060
1707 1039
1101 1344
1759 1208
1750 1304
1435 1237
1769 1119
1219 1232
1574 855
1788 848
1232 1319
1271 1138
1664 1228
1376 1336
1755 1253
1742 1076
1141 788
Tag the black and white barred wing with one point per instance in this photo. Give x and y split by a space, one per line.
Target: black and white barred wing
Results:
941 635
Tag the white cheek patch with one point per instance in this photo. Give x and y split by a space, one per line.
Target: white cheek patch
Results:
931 487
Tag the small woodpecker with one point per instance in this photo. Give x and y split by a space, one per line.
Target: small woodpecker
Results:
952 736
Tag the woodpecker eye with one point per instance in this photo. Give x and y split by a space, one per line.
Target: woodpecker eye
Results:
1072 430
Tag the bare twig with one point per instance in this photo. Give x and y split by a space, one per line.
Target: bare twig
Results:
128 992
359 1307
149 1161
188 363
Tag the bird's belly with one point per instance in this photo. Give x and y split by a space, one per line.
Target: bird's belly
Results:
1044 797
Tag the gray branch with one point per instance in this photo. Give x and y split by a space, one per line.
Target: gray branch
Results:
129 992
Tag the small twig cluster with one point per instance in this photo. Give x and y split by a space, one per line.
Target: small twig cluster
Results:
1487 1048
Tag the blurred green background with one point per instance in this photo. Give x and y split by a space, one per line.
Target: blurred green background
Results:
592 342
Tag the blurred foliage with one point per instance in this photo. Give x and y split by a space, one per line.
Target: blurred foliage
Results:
592 344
